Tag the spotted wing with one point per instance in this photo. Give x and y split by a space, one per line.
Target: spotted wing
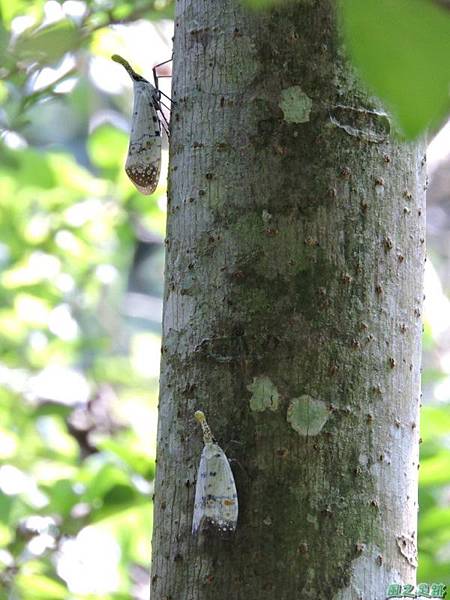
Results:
144 153
216 503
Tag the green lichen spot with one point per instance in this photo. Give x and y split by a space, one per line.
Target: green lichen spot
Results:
306 415
264 394
295 104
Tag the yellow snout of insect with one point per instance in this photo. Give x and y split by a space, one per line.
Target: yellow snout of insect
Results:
200 416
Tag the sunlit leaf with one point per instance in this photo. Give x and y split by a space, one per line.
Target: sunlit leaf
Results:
32 310
107 477
6 506
48 43
125 523
434 570
107 147
401 49
74 177
435 519
62 497
436 470
9 443
12 8
40 587
34 169
435 422
4 43
129 449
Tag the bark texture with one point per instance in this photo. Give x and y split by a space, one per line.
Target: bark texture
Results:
295 251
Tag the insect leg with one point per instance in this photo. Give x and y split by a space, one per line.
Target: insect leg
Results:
164 122
165 105
166 96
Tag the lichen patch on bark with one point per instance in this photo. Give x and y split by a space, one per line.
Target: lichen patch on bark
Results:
295 104
307 415
264 394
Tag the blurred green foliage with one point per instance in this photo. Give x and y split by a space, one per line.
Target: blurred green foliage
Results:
78 368
434 494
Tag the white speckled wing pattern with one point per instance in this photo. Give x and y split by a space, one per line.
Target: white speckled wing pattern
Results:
216 503
143 162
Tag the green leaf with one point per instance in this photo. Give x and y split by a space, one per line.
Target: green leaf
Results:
39 587
127 448
34 169
107 477
434 422
120 495
61 496
435 520
48 43
433 570
434 471
6 505
12 8
401 48
107 147
124 525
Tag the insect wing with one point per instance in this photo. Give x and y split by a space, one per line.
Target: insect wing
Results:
200 493
216 503
144 153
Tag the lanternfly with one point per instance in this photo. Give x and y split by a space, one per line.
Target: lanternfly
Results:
216 503
143 162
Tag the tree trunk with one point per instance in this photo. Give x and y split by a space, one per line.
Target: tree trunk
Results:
295 253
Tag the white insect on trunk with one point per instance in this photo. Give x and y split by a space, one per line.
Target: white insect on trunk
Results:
143 162
216 503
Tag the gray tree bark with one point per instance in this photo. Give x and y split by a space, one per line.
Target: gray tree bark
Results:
295 252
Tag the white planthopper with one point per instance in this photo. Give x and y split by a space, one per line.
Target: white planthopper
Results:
216 502
143 162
